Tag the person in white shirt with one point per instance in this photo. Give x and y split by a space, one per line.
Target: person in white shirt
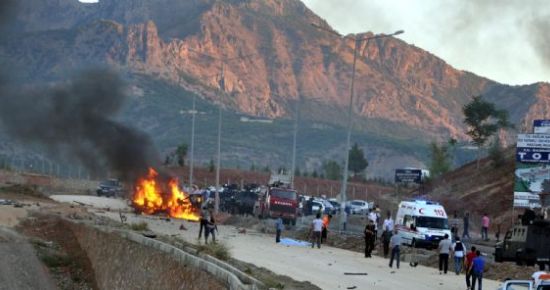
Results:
388 223
459 250
316 228
374 216
387 230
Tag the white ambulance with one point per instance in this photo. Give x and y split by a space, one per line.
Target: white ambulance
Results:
421 223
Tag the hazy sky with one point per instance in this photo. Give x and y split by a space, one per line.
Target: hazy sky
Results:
504 40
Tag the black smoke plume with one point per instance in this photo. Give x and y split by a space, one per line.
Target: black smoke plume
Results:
75 119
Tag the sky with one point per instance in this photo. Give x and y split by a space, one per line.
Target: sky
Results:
504 40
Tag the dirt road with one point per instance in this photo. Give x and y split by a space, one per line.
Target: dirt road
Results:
325 267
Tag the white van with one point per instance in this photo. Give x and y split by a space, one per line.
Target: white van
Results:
421 223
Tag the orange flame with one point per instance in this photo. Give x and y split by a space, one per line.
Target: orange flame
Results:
150 197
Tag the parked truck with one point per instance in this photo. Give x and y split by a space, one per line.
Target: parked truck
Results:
278 199
527 242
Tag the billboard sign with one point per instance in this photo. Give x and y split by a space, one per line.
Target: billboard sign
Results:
532 174
541 126
408 176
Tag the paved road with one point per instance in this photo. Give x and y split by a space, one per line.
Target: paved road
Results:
323 267
20 269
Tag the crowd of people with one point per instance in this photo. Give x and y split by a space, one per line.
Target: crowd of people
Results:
471 263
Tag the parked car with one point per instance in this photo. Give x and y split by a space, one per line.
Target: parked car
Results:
110 188
317 206
335 204
359 207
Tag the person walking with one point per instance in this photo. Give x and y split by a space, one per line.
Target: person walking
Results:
316 228
395 243
205 217
326 223
477 268
278 228
458 250
466 226
444 248
485 227
369 238
468 264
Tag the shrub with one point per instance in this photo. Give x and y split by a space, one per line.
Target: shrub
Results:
142 226
217 250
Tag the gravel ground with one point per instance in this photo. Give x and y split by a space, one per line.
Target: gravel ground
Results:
20 269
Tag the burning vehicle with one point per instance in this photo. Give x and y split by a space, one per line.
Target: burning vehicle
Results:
154 194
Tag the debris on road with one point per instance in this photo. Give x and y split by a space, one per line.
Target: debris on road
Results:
356 274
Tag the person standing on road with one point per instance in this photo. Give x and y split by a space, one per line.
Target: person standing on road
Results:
485 227
326 223
205 217
278 228
388 223
477 268
465 232
374 216
211 228
468 264
387 233
386 239
458 249
395 243
445 247
316 228
369 238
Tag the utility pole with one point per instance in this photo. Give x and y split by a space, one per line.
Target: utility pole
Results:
218 156
191 159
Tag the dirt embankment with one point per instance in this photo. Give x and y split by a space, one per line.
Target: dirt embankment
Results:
108 261
487 189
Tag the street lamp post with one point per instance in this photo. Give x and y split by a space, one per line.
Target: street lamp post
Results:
357 41
296 120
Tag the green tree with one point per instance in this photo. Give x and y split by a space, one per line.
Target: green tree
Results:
496 153
483 120
211 166
332 170
181 153
266 169
439 159
357 160
252 167
297 172
314 174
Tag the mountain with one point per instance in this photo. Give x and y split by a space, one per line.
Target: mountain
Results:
405 96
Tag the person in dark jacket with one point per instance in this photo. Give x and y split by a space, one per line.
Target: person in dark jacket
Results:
386 237
369 238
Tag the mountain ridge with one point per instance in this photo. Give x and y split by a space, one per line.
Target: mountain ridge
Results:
281 58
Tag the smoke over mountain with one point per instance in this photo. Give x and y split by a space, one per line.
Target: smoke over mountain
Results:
75 119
